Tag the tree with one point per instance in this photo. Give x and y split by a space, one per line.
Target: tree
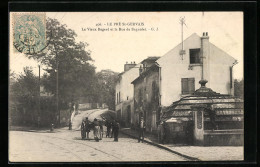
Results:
23 95
68 61
239 88
106 87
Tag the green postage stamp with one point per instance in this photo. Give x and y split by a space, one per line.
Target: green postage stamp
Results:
29 32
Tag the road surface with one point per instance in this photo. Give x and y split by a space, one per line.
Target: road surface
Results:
65 145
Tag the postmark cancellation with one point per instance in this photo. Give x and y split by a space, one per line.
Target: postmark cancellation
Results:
29 32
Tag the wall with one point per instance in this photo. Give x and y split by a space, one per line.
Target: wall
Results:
220 72
173 68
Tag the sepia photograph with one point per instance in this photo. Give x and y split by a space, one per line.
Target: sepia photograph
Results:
126 86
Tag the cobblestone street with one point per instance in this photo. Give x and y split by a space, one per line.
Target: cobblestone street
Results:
66 146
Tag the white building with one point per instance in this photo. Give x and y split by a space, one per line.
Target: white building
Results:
125 92
180 75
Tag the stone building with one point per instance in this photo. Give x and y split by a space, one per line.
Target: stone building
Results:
146 93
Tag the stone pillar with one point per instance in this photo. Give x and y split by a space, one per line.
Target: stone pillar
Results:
199 125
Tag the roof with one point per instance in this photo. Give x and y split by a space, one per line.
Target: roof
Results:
204 97
145 73
193 36
151 59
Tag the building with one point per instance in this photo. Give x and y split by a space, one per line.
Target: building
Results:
177 74
124 94
146 93
180 74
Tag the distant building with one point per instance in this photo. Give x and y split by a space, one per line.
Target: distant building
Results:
124 93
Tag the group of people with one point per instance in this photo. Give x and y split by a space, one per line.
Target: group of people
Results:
113 129
97 126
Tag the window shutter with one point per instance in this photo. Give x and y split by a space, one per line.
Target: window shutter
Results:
191 85
184 85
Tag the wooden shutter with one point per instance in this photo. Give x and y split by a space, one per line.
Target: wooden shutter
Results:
184 86
191 85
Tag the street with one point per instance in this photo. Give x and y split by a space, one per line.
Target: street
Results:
66 146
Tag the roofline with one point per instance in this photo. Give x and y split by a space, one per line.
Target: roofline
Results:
145 73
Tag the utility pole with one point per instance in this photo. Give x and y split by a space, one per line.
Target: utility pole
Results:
57 88
39 99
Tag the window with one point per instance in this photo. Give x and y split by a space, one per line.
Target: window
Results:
194 56
187 85
119 97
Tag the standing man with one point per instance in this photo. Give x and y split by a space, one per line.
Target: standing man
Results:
87 127
108 124
164 132
96 130
101 130
112 125
141 130
116 130
83 129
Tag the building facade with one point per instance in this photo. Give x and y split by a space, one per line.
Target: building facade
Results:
124 93
180 74
146 93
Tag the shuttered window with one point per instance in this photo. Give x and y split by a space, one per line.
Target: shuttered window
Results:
187 85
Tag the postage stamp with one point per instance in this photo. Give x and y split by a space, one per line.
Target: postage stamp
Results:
29 32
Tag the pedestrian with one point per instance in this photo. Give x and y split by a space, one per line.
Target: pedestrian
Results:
164 132
116 130
141 128
108 125
87 127
96 129
70 125
112 125
101 130
83 129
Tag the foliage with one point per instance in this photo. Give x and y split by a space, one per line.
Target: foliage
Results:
106 87
66 61
76 76
24 93
239 88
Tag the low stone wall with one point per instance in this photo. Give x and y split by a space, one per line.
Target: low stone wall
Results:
224 138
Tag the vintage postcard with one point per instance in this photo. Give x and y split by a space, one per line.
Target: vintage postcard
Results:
126 86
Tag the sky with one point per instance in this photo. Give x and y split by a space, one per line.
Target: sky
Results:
112 49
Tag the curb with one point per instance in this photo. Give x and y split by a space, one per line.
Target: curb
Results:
165 148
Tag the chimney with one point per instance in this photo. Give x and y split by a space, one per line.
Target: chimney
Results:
205 55
128 66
